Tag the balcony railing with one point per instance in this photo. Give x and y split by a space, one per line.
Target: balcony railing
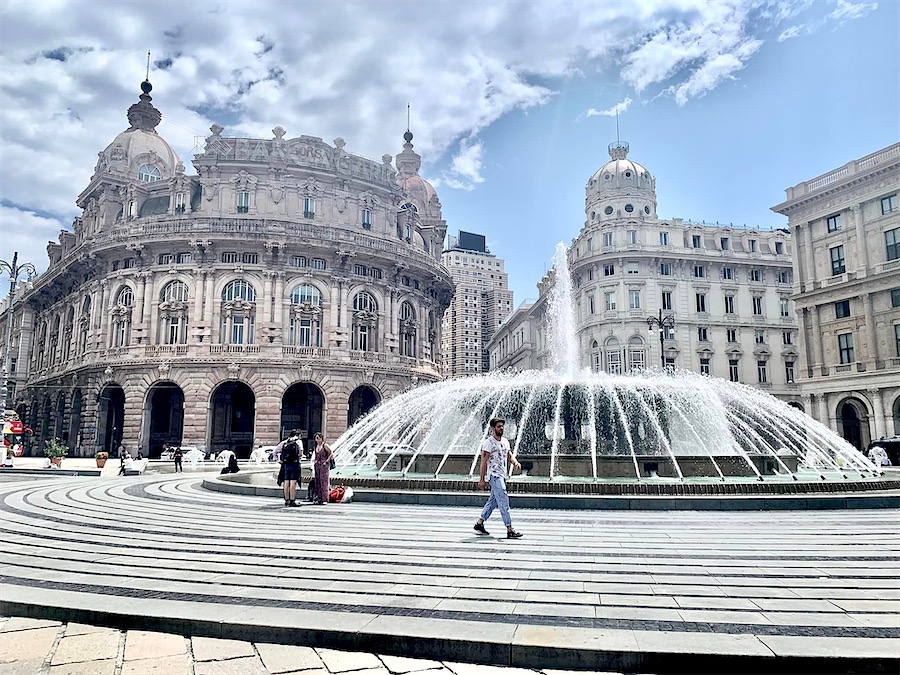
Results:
306 352
844 368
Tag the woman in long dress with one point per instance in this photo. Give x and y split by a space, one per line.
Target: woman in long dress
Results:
323 456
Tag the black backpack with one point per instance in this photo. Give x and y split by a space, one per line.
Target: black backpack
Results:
290 452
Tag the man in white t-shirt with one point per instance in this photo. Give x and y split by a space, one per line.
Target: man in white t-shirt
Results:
495 456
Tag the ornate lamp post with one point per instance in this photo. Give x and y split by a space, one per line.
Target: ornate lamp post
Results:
662 323
14 269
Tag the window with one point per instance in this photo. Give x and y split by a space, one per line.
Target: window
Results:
589 244
360 270
667 300
665 269
842 309
753 246
609 270
757 305
590 274
784 308
668 332
833 222
845 347
591 304
784 277
306 294
407 330
375 273
837 260
184 258
318 264
608 210
724 243
251 258
663 238
727 273
703 334
175 291
789 372
699 272
239 290
116 264
787 337
128 263
759 336
607 239
888 204
634 299
701 302
309 207
733 373
632 237
779 248
243 202
610 300
298 261
897 338
166 259
405 280
892 242
895 297
729 304
731 334
696 241
762 372
150 174
364 322
229 257
364 302
180 202
629 208
756 276
614 362
633 268
366 219
704 365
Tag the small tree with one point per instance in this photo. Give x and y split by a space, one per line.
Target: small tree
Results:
55 448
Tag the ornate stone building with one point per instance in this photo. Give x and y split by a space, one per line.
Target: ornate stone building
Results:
729 291
846 225
289 284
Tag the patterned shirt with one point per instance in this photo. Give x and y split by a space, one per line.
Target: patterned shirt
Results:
499 456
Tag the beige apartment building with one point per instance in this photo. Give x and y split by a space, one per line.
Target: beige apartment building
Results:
481 302
727 289
846 227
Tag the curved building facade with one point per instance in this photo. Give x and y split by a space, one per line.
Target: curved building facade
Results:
289 284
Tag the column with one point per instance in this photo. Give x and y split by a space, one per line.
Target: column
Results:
102 316
818 352
872 356
822 415
279 299
148 297
333 302
209 300
861 248
810 262
343 314
798 259
804 345
197 316
269 311
880 421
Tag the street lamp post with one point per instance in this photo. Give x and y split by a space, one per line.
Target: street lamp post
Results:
14 269
661 323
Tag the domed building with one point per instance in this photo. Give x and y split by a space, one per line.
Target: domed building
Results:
289 284
723 292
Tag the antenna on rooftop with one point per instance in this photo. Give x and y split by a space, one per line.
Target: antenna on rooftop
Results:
147 79
617 120
407 116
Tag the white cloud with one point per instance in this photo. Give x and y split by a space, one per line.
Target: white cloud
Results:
789 33
617 109
465 168
27 233
850 10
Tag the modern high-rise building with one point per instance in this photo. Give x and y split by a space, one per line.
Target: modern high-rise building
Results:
480 304
725 290
846 227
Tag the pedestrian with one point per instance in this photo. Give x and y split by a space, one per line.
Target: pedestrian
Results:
323 459
177 455
289 451
495 457
123 456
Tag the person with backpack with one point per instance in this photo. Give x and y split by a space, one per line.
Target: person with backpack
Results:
289 451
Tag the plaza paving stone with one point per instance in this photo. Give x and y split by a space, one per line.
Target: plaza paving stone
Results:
593 590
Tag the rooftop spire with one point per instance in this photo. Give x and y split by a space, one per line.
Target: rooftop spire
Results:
143 115
408 135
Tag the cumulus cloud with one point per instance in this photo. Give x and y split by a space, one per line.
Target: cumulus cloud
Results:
617 109
26 233
465 168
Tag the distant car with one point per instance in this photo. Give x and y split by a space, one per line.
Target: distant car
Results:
890 445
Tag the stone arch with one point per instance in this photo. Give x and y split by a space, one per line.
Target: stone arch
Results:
853 421
163 417
303 408
361 401
46 412
895 410
232 418
110 417
225 279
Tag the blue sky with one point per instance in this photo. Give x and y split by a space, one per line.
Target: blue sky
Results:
731 100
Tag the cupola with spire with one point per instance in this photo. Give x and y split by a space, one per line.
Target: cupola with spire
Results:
620 189
416 189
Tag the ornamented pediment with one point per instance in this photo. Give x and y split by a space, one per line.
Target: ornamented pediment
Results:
366 316
238 306
244 181
307 309
173 306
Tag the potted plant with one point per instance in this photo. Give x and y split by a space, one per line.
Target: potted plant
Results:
55 450
101 458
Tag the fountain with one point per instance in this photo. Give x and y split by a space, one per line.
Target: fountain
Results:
571 425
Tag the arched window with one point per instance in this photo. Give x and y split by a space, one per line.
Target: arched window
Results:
239 289
41 350
84 326
173 310
408 326
306 293
68 335
613 356
149 173
238 313
365 322
636 353
595 356
54 341
306 316
174 291
121 317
